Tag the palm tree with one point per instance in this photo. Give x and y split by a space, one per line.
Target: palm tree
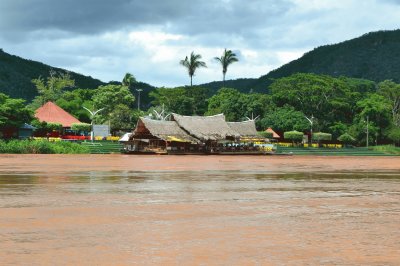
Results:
227 58
129 80
192 64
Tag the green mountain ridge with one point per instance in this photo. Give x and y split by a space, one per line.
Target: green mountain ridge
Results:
373 56
16 74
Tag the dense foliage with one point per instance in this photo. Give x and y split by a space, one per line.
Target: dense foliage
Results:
265 134
183 100
81 127
294 136
13 113
319 136
346 138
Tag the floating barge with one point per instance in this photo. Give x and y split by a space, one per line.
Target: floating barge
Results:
197 135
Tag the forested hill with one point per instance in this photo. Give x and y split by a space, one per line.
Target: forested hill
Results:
374 56
16 74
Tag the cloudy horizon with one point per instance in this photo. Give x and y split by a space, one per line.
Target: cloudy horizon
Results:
106 39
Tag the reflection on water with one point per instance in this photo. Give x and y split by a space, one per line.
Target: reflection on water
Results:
208 217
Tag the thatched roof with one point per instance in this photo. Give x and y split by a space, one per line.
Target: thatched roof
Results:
52 113
206 127
165 130
246 129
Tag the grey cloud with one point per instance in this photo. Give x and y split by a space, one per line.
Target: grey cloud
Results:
93 16
86 16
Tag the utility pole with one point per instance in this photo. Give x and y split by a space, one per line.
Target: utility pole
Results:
367 131
138 104
311 120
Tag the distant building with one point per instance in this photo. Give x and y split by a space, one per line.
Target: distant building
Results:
25 131
52 113
274 134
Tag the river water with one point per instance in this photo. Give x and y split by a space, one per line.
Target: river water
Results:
200 218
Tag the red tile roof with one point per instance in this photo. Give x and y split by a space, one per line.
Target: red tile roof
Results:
52 113
274 134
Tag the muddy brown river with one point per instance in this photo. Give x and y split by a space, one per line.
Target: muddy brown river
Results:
199 210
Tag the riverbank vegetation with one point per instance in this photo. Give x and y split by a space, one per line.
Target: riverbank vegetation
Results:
335 106
41 147
390 149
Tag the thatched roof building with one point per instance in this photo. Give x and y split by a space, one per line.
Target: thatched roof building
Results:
246 129
206 128
164 130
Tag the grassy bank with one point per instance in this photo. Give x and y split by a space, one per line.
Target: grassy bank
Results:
41 147
390 149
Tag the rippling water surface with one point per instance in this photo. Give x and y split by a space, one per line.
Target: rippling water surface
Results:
206 218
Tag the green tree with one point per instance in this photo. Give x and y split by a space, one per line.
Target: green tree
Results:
192 64
359 130
391 91
13 112
394 134
42 128
228 101
238 106
346 138
73 102
129 80
285 119
52 88
319 136
81 127
184 101
338 128
109 97
227 58
328 99
121 118
376 108
294 136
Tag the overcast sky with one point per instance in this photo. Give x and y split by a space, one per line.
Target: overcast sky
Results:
107 38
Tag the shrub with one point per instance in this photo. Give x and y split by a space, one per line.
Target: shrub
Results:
390 149
81 127
54 127
265 134
394 134
318 136
43 127
294 136
346 138
41 147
